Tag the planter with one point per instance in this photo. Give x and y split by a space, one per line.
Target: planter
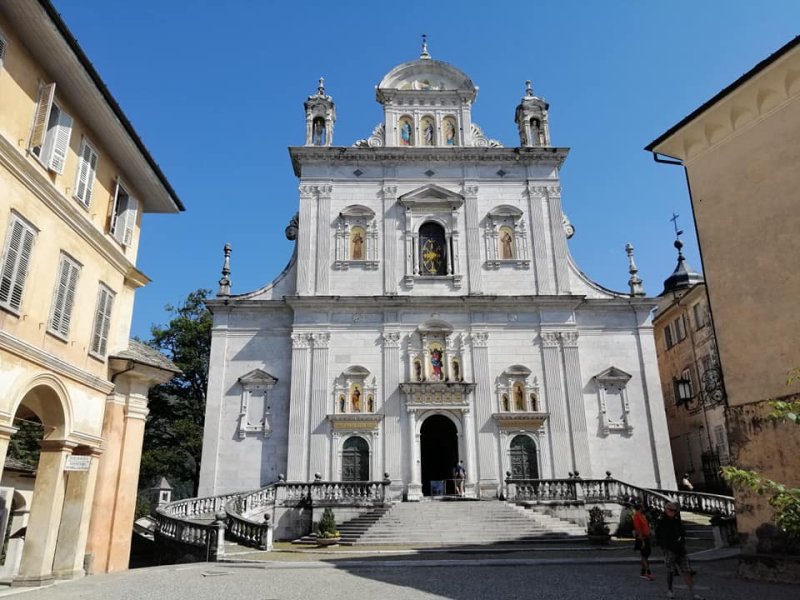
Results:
331 541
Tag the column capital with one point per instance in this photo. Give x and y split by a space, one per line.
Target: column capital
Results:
479 339
391 339
321 340
301 340
57 445
569 339
6 431
550 339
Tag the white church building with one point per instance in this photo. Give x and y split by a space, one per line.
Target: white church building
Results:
431 313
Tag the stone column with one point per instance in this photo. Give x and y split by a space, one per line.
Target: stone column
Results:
305 241
541 262
577 409
559 239
323 237
36 567
320 399
557 425
392 435
469 451
334 445
6 431
74 530
487 476
297 462
390 253
472 219
414 476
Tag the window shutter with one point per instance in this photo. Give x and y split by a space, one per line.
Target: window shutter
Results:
42 116
130 220
102 321
64 297
63 131
15 263
86 173
116 212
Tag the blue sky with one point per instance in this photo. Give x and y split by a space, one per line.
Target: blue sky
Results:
216 92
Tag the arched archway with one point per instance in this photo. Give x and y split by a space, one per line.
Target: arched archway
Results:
522 456
355 459
438 450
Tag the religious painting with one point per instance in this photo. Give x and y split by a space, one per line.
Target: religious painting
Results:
506 403
506 239
428 131
370 404
432 250
534 404
519 396
449 131
357 235
456 370
436 352
405 131
355 398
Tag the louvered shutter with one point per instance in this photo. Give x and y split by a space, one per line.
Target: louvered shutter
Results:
130 220
119 197
61 135
15 263
64 296
102 321
42 116
86 173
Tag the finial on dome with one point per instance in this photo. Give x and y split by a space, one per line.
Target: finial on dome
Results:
635 282
225 281
425 54
321 88
528 88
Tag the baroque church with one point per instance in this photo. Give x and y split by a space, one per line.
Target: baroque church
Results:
431 314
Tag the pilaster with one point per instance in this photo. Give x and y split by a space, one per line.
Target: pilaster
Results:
414 468
559 239
392 435
297 460
557 425
306 266
318 424
324 239
577 409
536 199
390 254
487 476
473 238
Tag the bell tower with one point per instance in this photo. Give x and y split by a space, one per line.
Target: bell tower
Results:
531 119
320 117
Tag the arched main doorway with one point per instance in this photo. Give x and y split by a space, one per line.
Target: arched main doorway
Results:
438 450
355 459
522 456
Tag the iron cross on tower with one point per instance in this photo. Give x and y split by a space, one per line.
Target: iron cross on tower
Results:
674 220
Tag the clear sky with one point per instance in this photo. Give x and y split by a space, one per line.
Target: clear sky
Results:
216 92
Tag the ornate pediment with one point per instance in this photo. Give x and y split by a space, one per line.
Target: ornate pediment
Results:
257 377
613 375
431 196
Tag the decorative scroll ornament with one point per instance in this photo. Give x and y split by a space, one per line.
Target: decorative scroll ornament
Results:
480 140
569 228
292 227
376 140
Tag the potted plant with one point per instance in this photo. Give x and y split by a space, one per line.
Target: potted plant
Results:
598 530
327 534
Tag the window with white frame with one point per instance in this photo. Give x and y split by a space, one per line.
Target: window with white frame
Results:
505 238
255 404
102 320
356 238
64 295
16 258
123 215
84 178
615 408
52 128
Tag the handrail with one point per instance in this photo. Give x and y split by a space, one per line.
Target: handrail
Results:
702 503
244 530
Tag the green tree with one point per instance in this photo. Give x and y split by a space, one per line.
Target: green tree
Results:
173 434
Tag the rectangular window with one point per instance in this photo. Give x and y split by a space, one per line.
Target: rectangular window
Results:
123 216
680 329
700 315
668 336
687 376
64 296
721 442
52 128
16 258
87 168
102 320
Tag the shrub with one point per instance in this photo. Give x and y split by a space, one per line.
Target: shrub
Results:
327 525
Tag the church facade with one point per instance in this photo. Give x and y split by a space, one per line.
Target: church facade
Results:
431 314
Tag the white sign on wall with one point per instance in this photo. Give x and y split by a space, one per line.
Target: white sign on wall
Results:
78 463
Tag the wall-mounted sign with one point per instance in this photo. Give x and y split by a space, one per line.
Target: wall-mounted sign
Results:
78 463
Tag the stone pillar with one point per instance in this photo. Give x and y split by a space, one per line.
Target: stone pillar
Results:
560 448
390 253
469 451
536 198
320 400
472 218
487 476
36 567
323 238
392 435
577 409
305 241
297 462
414 472
6 431
74 530
559 239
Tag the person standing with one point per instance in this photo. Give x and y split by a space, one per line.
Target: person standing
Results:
641 531
686 485
461 475
671 537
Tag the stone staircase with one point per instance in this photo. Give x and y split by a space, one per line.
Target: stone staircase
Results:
454 522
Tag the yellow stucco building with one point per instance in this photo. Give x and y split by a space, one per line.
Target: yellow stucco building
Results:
741 154
74 181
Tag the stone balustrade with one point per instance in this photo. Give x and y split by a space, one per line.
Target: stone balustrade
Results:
699 502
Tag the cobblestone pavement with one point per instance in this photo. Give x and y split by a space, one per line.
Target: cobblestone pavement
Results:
388 579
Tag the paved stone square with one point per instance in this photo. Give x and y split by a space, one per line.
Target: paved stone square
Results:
352 579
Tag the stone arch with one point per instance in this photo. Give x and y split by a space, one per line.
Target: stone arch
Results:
523 456
46 396
355 451
433 250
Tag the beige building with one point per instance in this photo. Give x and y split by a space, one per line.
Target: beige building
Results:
690 379
741 154
74 181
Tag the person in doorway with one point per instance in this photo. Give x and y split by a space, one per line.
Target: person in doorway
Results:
641 531
686 485
671 537
460 474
